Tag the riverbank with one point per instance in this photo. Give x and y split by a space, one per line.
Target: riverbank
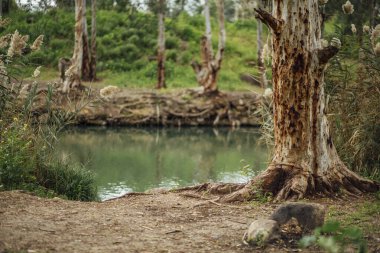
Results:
113 106
172 222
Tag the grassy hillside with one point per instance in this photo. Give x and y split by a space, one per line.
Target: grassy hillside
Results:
126 41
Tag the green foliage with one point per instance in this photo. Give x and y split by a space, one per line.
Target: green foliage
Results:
352 85
333 238
126 40
16 163
26 147
75 183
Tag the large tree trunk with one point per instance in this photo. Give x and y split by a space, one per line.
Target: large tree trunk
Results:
161 45
260 58
305 160
86 48
93 41
207 71
73 74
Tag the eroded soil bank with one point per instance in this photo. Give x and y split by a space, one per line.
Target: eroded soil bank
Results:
136 107
172 222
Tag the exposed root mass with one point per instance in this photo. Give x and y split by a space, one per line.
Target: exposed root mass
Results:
286 182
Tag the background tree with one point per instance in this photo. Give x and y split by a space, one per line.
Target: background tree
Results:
73 74
65 3
207 71
161 45
260 58
7 6
305 160
93 41
86 75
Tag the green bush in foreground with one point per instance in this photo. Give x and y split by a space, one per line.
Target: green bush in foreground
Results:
25 163
333 238
74 182
26 146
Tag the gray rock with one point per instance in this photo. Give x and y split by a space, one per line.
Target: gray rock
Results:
308 215
261 231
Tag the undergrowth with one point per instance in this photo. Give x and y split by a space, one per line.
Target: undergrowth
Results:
27 158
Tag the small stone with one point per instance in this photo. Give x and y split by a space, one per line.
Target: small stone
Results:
261 231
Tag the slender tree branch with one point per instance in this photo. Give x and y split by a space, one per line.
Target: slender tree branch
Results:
208 33
269 20
222 34
196 67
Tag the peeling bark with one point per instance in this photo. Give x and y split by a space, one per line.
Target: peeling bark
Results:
207 71
161 46
260 59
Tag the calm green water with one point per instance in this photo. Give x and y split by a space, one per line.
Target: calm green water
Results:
131 159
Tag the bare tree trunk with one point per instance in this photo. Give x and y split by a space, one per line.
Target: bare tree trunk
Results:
208 70
73 74
375 12
305 160
260 58
86 47
93 41
161 46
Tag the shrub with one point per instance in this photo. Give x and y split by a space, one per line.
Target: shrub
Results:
16 162
354 93
26 147
76 183
134 39
171 55
186 33
171 43
185 58
333 238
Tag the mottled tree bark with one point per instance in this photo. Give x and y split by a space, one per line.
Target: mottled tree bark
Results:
73 74
86 47
260 59
305 160
207 71
93 41
161 46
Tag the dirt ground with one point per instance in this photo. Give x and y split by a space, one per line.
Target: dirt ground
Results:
172 222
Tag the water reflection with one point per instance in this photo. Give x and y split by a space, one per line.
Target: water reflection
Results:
131 159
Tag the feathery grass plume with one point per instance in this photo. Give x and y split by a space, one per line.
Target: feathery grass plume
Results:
377 49
375 33
366 29
266 54
4 40
335 42
37 43
3 72
4 21
353 29
324 43
37 72
348 8
18 43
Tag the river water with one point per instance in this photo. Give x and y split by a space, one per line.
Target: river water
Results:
137 159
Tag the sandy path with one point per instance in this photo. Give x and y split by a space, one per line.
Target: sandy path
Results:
154 223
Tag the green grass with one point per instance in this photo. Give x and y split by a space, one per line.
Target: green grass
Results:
362 217
125 43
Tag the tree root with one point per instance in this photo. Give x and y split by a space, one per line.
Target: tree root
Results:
288 182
